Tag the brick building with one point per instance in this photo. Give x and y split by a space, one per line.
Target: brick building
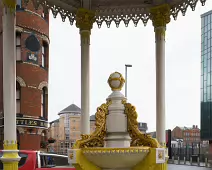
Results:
189 135
32 58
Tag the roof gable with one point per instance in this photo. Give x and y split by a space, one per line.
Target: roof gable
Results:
72 108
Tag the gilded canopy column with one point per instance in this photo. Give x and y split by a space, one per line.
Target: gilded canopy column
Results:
160 17
10 156
84 21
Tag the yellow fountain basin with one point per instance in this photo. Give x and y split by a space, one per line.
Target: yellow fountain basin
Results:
115 157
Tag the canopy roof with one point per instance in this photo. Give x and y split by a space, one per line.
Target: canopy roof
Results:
115 10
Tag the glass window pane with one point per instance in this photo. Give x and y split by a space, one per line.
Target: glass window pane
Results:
208 93
202 22
202 81
18 53
41 110
208 79
42 98
205 29
205 63
209 44
18 94
43 49
43 62
18 106
209 65
205 85
205 97
18 40
202 94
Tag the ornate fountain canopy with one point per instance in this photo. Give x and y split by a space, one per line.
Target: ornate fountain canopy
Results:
116 11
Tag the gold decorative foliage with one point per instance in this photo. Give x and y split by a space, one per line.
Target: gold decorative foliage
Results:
160 15
138 138
11 4
96 139
85 19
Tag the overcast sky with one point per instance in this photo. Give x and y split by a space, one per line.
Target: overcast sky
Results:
112 48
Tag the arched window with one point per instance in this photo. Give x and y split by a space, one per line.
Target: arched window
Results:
18 98
44 55
44 98
18 46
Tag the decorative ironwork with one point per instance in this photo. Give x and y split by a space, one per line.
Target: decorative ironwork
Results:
114 13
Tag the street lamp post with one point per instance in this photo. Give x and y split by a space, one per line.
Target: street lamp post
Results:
126 66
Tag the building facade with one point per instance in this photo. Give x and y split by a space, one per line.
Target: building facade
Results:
189 135
206 76
66 130
32 58
186 135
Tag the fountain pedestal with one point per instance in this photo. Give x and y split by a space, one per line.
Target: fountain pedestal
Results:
117 143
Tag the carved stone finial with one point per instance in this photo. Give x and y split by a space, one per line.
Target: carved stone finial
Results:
116 81
85 19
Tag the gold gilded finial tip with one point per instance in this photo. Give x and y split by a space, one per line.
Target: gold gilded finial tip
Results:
116 81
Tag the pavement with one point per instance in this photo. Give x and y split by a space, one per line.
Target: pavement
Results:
185 167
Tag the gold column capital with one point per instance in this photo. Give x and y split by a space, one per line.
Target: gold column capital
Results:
85 19
10 4
160 15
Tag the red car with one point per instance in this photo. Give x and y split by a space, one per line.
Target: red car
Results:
36 160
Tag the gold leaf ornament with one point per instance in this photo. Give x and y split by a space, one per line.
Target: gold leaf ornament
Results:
96 139
11 4
138 138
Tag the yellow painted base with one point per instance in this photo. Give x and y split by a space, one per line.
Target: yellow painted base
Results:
10 165
148 163
10 159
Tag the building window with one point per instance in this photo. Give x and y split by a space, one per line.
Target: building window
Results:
66 145
19 3
18 47
67 137
43 102
18 98
44 55
61 145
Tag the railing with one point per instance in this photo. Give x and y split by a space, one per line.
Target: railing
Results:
191 156
194 160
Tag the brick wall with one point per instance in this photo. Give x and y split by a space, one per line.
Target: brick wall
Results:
30 21
177 133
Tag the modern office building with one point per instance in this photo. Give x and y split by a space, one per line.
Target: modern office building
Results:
32 41
206 76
